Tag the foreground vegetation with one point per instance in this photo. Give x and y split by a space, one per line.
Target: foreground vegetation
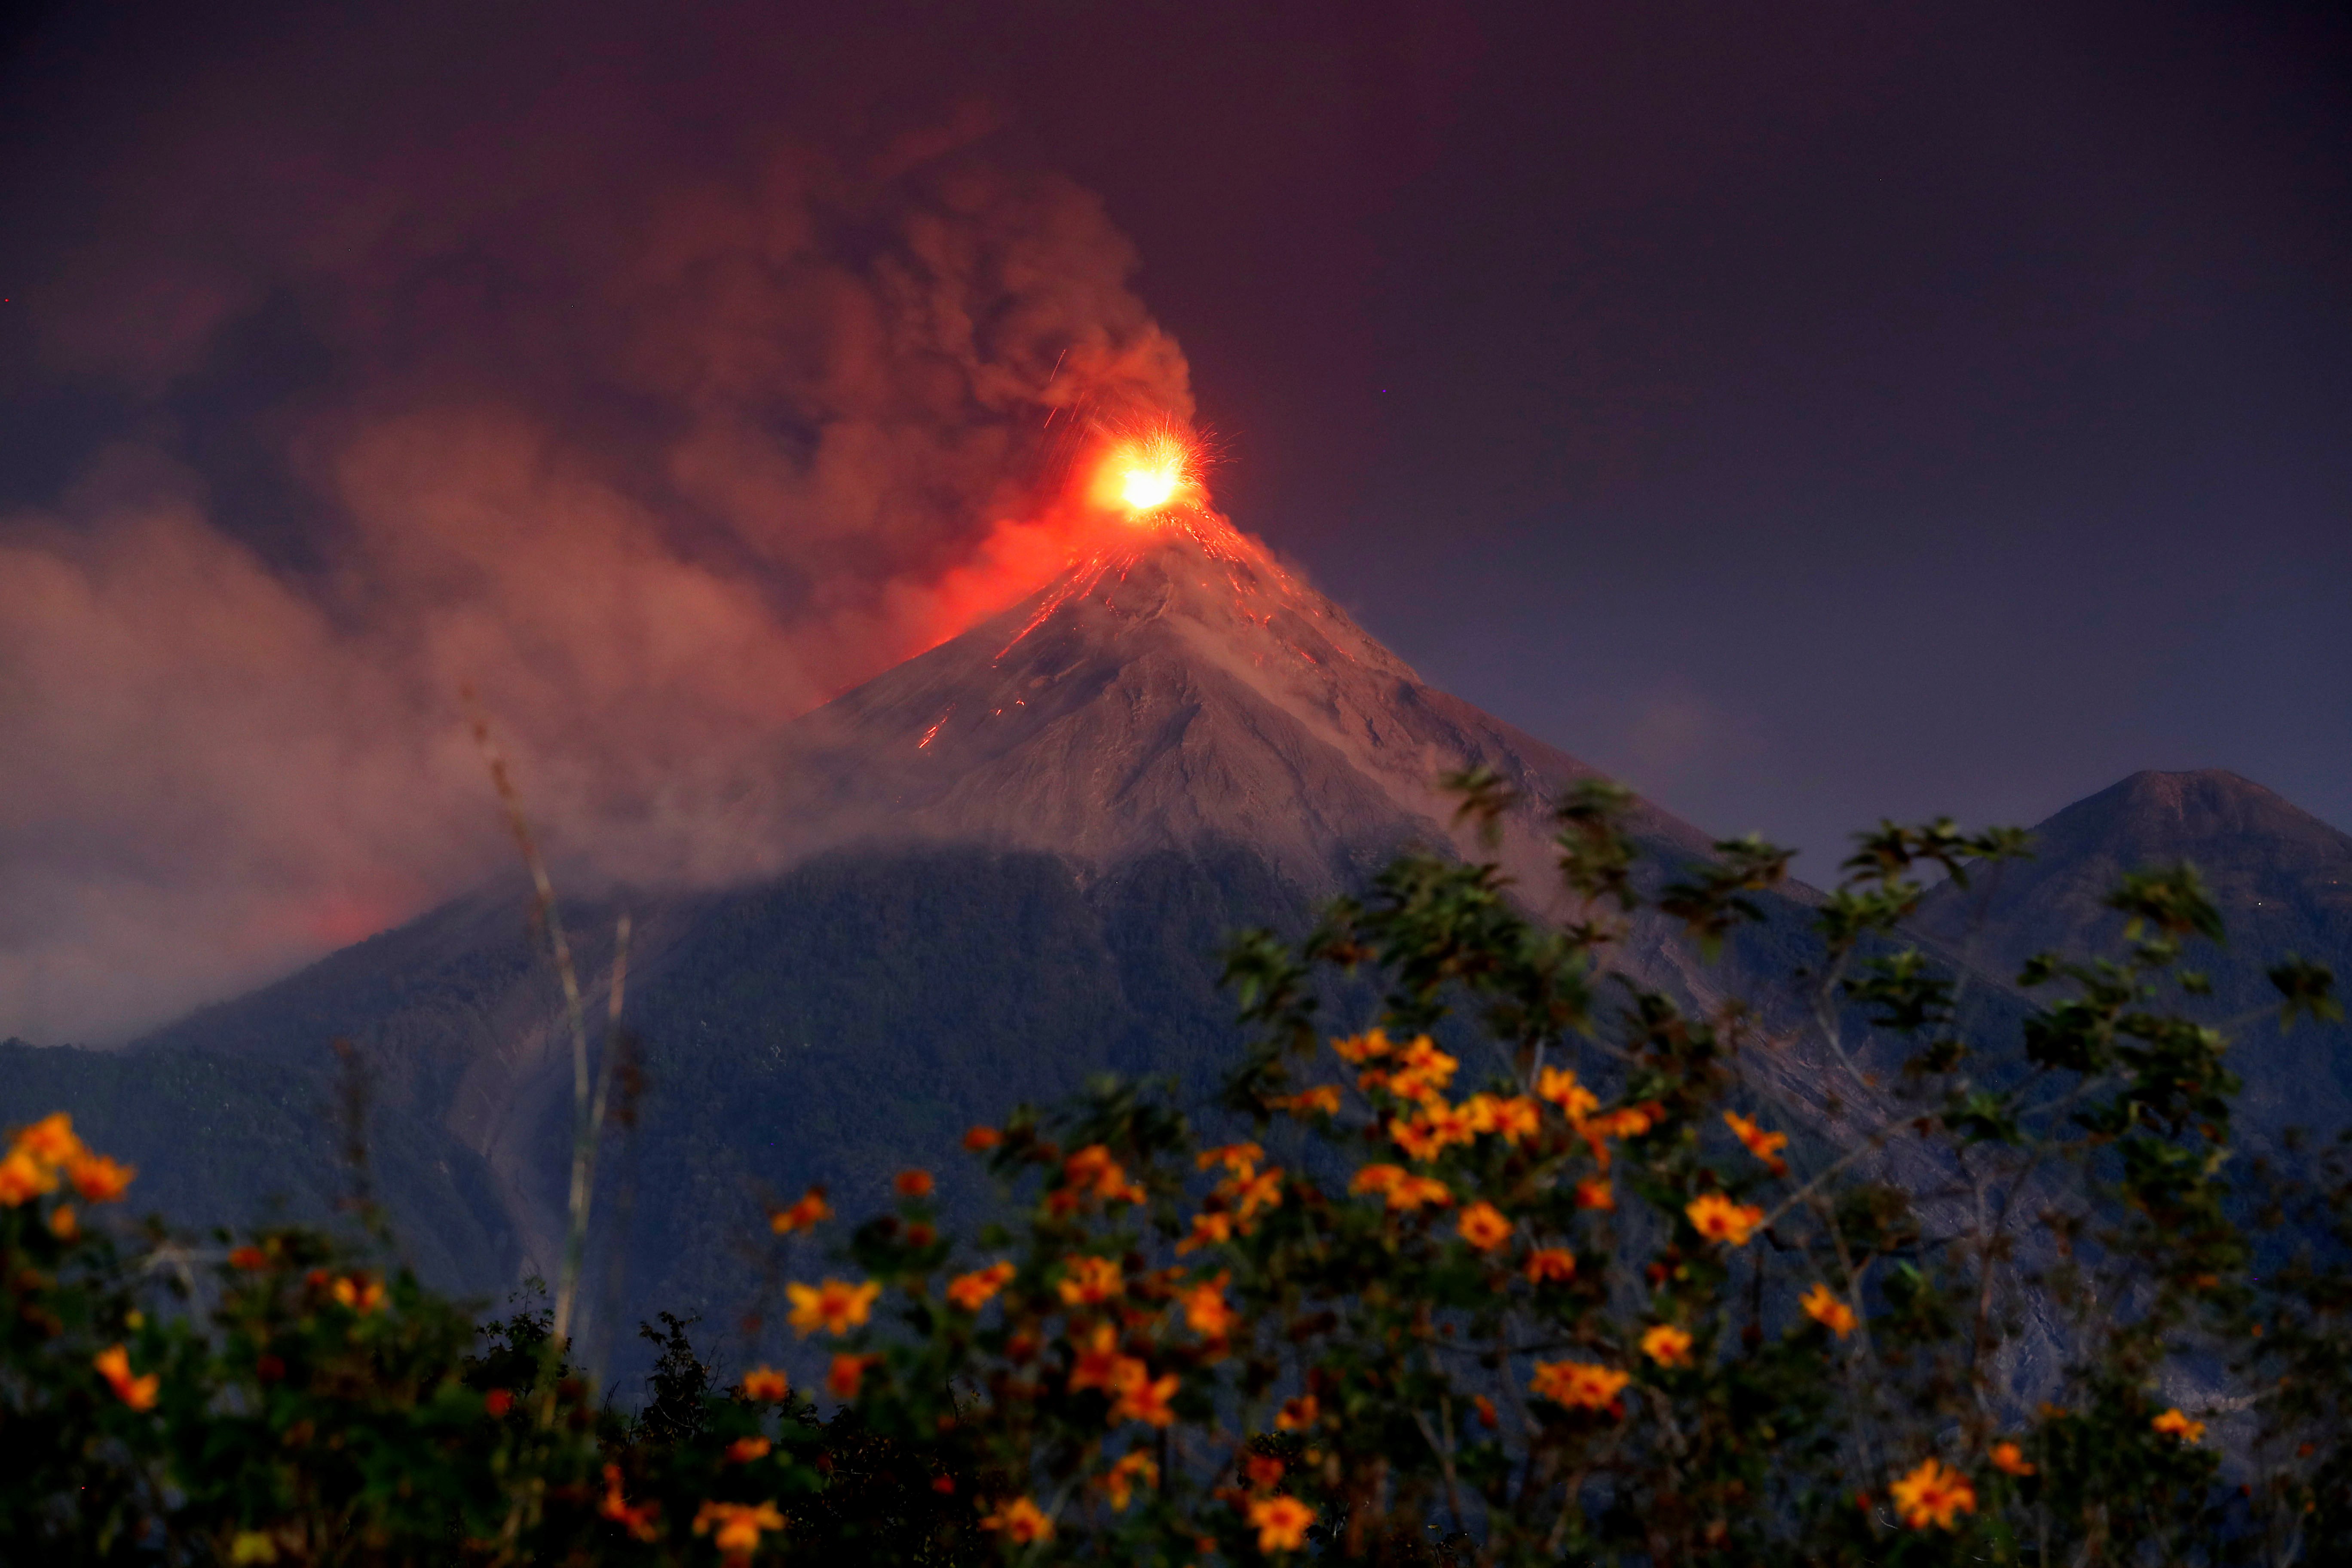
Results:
1531 1264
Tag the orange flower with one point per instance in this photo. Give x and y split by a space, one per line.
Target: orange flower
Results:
62 1223
1558 1085
1515 1118
1667 1345
1362 1049
1403 1189
734 1528
979 1139
1824 1308
743 1450
1764 1146
23 1177
1550 1265
1485 1407
1207 1310
1208 1230
1092 1170
2173 1423
1296 1414
1263 1471
836 1306
50 1142
636 1518
249 1258
1415 1137
97 1177
1240 1160
357 1291
912 1183
1141 1398
1593 1192
1323 1100
1483 1226
1260 1191
1717 1218
1022 1522
811 1210
848 1371
766 1385
1091 1281
2008 1458
1579 1385
1281 1523
1935 1494
1425 1072
1121 1479
975 1290
1098 1365
113 1364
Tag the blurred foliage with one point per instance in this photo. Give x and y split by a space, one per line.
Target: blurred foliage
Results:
1602 1278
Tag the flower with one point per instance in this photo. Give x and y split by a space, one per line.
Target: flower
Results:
1240 1160
1021 1521
1718 1218
1092 1171
113 1364
1415 1137
1091 1281
734 1528
1667 1345
23 1177
811 1210
249 1258
50 1142
1207 1310
765 1386
1281 1523
637 1518
1579 1385
1323 1100
497 1403
2173 1423
1515 1118
1121 1479
1142 1399
1485 1407
1764 1146
912 1183
1362 1049
1822 1306
1098 1365
836 1306
1935 1494
975 1290
62 1223
98 1178
1483 1226
1593 1192
1558 1085
1550 1265
1296 1414
357 1291
979 1139
2010 1459
1425 1072
1263 1471
743 1450
848 1371
1403 1189
1208 1230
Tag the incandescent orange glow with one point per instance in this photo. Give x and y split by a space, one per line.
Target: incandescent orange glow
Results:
1140 475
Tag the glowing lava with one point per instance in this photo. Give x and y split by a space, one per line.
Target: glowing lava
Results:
1143 475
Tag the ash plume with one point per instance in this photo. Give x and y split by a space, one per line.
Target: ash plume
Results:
652 453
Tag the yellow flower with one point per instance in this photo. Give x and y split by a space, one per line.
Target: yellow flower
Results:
2173 1423
734 1528
811 1210
1551 1266
113 1364
836 1306
1558 1085
1483 1226
251 1546
1281 1523
765 1386
1822 1306
2008 1458
1131 1471
1717 1218
1022 1522
975 1290
1764 1146
1935 1494
1091 1281
1667 1345
1579 1385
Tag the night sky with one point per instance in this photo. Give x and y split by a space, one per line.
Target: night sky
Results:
1807 411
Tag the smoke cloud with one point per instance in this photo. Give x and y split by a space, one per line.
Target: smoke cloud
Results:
652 455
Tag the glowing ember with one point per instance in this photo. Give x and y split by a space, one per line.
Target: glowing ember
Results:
1143 475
